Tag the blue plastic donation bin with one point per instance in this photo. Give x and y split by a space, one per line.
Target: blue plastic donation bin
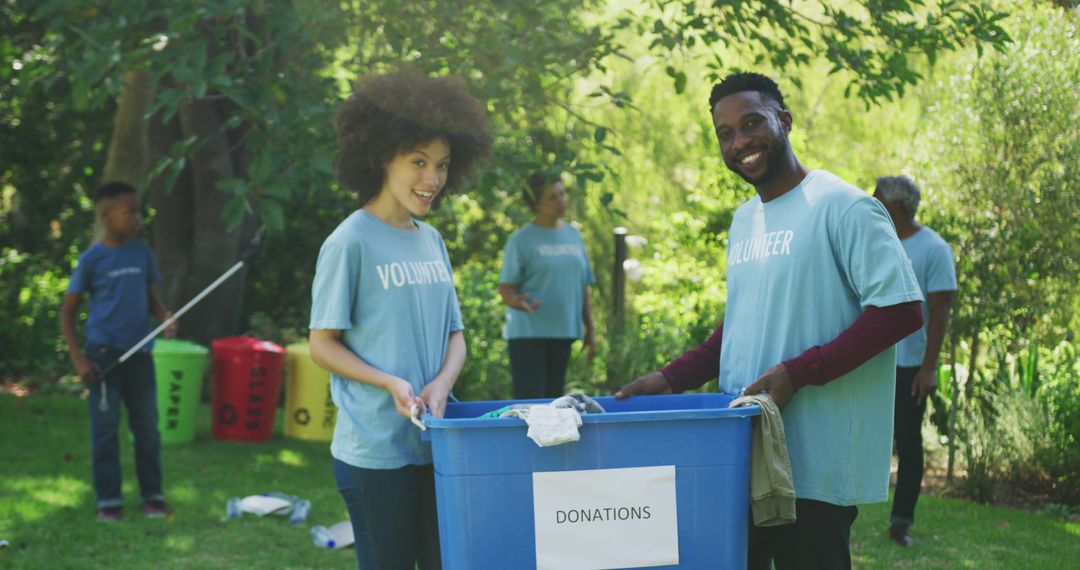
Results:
484 475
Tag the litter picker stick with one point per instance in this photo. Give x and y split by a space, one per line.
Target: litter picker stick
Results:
252 249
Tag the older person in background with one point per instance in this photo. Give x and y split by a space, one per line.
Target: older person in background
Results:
916 355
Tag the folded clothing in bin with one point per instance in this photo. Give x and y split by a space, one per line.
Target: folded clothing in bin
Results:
555 423
549 425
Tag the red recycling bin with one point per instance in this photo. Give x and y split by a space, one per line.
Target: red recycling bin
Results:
246 377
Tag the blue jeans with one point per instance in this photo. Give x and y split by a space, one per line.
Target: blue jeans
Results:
393 516
133 384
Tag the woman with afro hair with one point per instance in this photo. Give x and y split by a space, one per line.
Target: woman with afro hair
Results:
385 319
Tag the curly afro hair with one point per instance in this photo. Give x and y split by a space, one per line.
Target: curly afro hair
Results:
395 113
739 82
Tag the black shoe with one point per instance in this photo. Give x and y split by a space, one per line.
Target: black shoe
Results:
898 533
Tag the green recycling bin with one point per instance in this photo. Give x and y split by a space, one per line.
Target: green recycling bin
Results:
179 366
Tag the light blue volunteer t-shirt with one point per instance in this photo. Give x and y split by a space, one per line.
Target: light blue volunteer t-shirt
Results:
392 293
117 280
932 260
550 265
800 269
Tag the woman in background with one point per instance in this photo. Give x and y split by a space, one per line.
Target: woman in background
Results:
544 283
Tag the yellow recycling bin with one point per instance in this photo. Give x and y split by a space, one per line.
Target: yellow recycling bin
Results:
310 413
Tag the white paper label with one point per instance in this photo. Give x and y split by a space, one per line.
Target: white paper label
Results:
606 518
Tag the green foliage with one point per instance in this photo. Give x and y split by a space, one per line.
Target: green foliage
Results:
1010 166
1000 434
1059 371
486 375
871 39
30 311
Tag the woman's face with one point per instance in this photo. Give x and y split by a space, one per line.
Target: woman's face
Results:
416 177
553 201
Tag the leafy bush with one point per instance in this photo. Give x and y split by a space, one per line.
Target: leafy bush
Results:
30 297
1059 373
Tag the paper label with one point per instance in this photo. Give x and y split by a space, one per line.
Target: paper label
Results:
606 518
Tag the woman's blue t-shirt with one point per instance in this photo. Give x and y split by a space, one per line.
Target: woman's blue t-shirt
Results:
549 265
392 293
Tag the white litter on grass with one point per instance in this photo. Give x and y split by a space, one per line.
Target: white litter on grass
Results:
261 505
4 543
335 536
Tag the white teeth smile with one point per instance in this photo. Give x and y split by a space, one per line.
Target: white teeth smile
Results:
424 195
750 158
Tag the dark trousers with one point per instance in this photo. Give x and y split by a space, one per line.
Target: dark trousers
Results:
907 430
132 384
538 366
819 539
393 516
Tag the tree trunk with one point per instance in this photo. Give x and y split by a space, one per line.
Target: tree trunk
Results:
174 209
127 159
213 249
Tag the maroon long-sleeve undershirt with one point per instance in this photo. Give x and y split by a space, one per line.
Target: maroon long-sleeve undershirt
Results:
875 330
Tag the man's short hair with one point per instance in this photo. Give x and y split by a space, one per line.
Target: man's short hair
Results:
901 190
112 190
739 82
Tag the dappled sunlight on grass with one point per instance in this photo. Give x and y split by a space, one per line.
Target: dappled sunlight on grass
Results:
42 496
281 457
292 458
182 543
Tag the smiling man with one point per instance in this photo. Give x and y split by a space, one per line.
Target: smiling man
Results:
819 291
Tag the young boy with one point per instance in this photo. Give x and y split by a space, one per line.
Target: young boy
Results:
120 275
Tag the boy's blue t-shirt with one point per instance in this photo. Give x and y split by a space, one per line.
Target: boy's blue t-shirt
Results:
117 280
800 269
392 293
932 261
550 265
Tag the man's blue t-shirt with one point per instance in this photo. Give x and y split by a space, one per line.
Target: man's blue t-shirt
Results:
117 280
932 261
549 265
800 269
392 293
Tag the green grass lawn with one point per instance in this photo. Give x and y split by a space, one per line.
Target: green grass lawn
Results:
47 508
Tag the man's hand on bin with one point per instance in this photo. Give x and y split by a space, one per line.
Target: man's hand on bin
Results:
777 383
651 383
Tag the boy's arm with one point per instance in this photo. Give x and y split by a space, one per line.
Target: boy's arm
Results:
86 369
157 308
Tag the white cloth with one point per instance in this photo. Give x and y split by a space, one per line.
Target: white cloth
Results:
548 425
261 505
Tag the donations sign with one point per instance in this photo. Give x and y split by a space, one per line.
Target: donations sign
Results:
606 518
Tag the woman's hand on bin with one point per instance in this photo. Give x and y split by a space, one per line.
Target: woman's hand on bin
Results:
651 383
435 395
404 398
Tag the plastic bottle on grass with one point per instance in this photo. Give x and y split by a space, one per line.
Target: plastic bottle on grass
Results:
232 507
321 537
300 511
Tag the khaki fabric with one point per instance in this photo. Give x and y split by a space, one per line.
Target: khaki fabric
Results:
772 490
